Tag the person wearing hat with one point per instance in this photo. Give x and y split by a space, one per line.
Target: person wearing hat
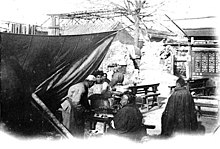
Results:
75 105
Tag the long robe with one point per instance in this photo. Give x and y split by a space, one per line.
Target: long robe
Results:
74 109
128 122
179 115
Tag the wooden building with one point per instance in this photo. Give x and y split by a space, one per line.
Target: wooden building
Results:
204 52
199 55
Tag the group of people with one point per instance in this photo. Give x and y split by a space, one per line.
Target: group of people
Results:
76 105
179 115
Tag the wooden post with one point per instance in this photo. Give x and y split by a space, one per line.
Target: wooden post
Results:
53 24
11 27
190 57
172 65
189 63
24 29
16 29
52 119
189 60
27 29
58 26
19 28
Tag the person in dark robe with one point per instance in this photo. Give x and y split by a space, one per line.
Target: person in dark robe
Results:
128 120
75 105
179 115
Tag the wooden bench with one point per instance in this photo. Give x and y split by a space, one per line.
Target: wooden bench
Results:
199 86
171 87
147 93
147 99
207 105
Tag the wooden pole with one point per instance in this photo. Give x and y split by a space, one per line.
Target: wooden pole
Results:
53 24
190 58
52 119
177 25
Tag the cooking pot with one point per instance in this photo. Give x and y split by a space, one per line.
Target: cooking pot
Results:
99 102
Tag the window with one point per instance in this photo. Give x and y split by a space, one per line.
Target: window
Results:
205 62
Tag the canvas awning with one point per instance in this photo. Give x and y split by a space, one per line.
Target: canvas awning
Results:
47 65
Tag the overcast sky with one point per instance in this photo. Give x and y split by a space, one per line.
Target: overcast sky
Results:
34 11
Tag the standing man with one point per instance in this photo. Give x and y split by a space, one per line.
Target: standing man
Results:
75 105
179 115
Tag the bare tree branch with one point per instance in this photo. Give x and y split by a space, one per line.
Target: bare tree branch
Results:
118 6
129 19
128 6
130 2
163 26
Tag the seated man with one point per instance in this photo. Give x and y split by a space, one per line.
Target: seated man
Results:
179 115
128 120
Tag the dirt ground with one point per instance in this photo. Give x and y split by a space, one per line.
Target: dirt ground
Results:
153 117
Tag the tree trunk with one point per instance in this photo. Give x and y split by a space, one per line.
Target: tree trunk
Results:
136 38
137 30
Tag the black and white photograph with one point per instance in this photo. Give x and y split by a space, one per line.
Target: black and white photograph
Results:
109 73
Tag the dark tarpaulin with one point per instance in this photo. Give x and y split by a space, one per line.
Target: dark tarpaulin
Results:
48 65
57 61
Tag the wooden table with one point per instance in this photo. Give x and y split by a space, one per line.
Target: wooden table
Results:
146 91
106 120
138 89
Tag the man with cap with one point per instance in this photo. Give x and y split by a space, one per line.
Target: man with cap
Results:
75 106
